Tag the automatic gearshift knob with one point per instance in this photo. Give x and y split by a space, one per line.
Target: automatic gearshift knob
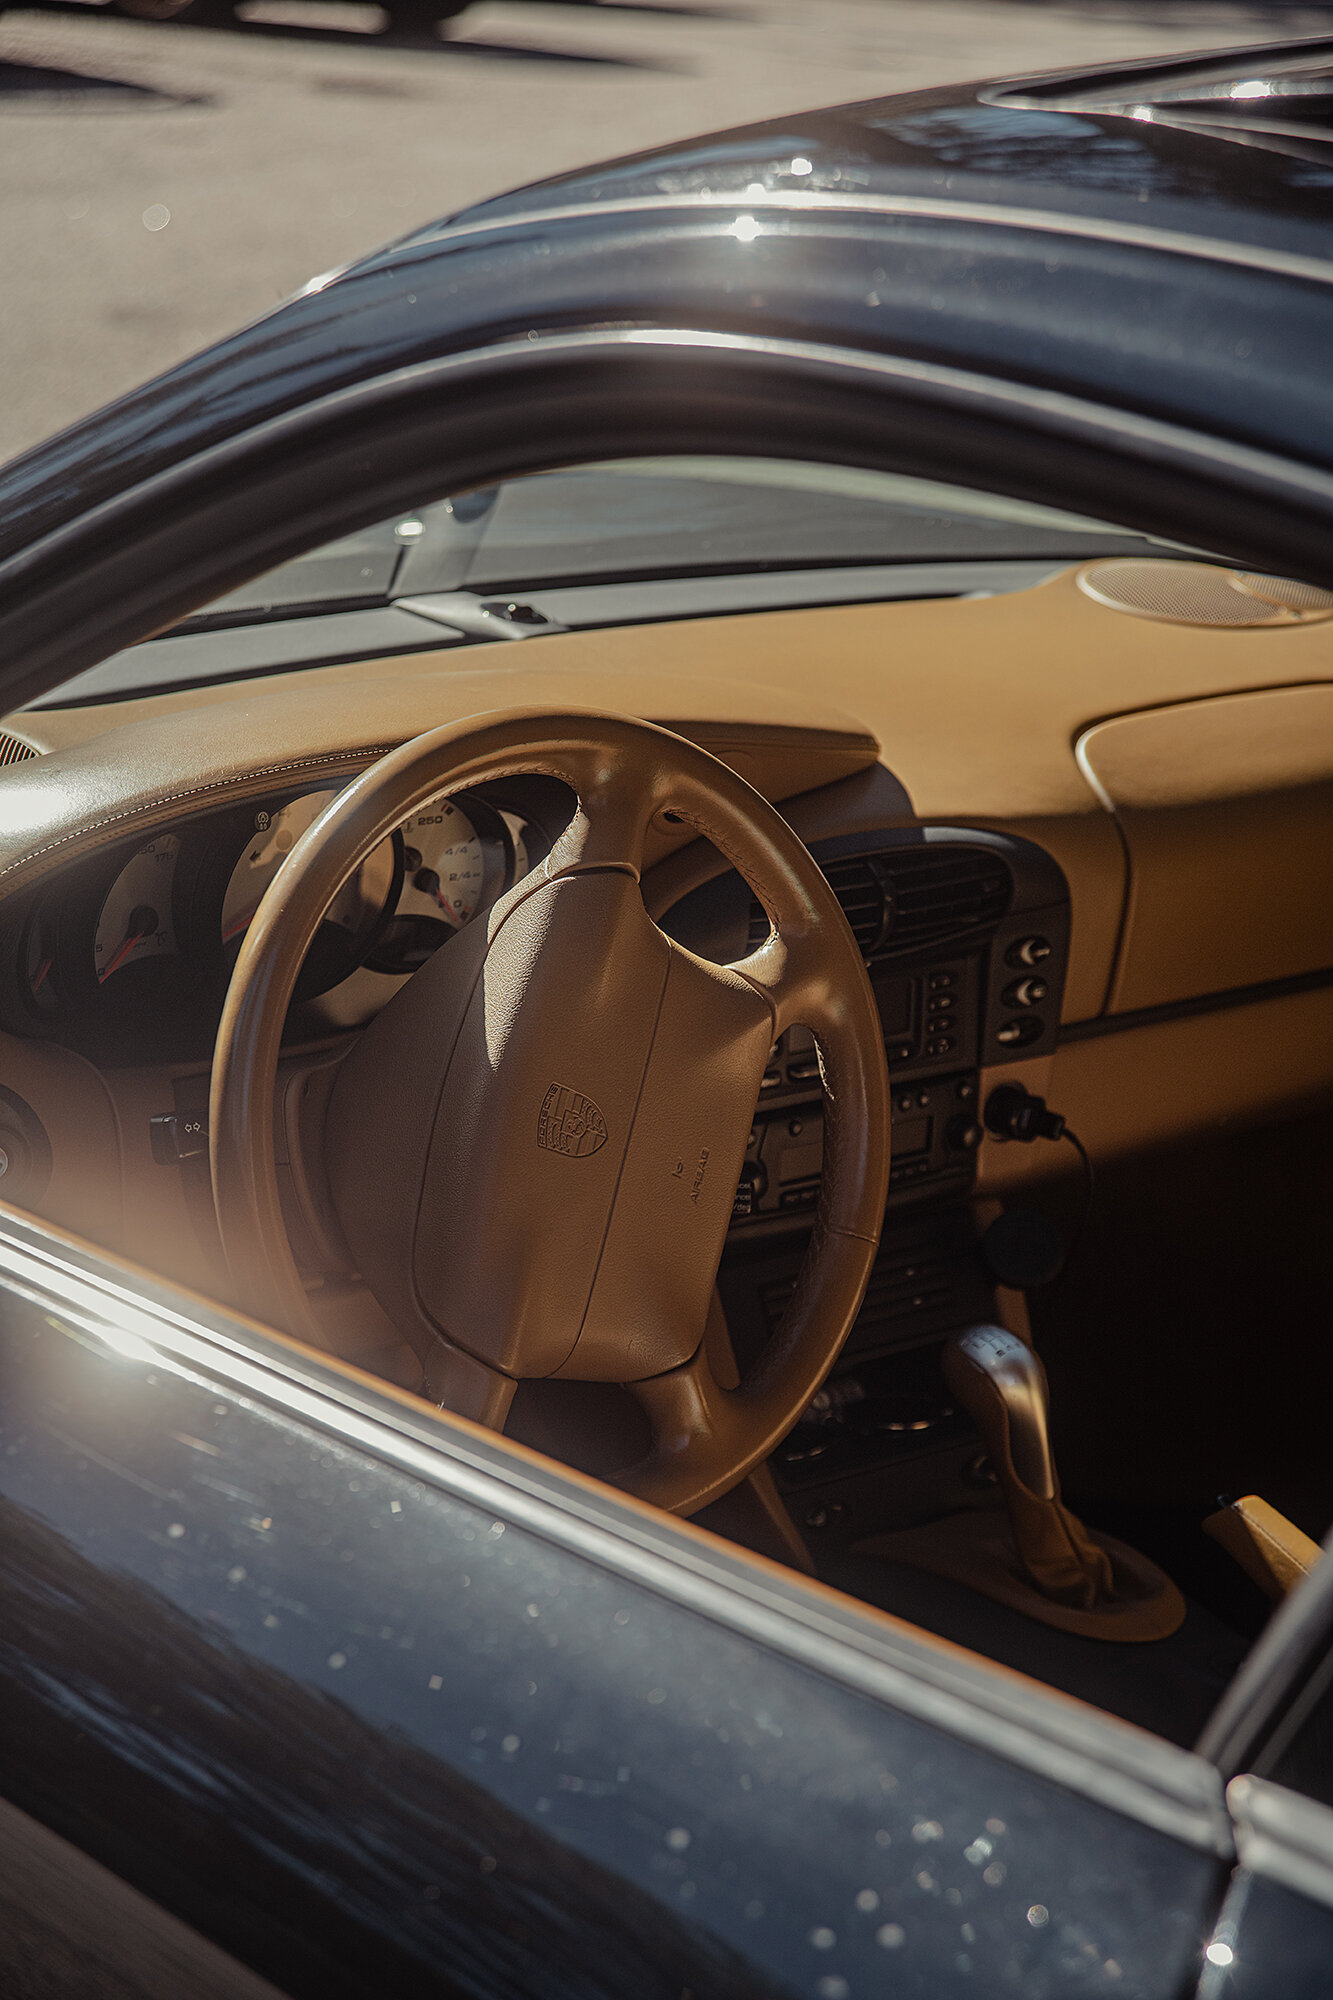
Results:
1003 1387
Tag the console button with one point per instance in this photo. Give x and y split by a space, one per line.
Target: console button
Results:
901 1052
771 1079
964 1135
1028 951
174 1139
802 1072
1015 1034
1026 993
800 1197
940 981
943 1047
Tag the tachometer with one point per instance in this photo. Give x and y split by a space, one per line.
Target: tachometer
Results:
40 971
136 918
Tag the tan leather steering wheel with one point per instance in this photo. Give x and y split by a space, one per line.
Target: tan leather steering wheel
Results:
534 1146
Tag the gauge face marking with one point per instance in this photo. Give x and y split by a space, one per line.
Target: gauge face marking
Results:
358 901
272 841
445 865
456 861
136 918
39 963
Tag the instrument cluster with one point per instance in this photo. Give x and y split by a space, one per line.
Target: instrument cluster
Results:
129 958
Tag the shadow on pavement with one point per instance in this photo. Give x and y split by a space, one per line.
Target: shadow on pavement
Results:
1283 20
445 39
30 87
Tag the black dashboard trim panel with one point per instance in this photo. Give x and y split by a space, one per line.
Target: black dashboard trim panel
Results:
1203 1003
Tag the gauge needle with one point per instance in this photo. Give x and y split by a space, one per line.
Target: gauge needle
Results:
120 956
39 979
239 924
428 882
143 922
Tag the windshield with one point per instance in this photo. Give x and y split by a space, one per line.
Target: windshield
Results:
631 542
660 517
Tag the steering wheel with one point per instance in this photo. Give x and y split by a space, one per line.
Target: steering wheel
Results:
533 1148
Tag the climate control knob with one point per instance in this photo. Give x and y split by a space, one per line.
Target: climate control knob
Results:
1029 951
1026 993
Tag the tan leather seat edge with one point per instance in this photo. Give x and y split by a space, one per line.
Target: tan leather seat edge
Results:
1270 1549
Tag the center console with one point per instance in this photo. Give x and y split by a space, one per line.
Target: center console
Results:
966 937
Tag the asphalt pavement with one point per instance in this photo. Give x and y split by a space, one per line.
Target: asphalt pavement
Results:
164 182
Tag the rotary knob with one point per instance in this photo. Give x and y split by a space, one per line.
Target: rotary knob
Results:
1026 992
1029 951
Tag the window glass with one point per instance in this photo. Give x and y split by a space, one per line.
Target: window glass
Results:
653 517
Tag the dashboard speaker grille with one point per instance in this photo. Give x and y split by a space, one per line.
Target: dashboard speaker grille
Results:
912 896
1285 590
1187 593
13 750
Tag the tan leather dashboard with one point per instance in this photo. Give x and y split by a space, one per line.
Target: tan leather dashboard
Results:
1181 777
113 774
980 707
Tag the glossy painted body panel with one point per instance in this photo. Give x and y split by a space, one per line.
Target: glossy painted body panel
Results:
993 145
1271 1943
1227 347
369 1737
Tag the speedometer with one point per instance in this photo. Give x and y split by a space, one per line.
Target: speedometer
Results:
444 865
455 862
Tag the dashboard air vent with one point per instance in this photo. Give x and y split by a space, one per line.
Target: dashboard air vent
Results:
859 889
13 750
857 886
941 891
912 896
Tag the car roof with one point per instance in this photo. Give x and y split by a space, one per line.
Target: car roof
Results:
1233 144
1156 236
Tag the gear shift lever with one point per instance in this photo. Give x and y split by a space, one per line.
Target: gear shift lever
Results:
1002 1385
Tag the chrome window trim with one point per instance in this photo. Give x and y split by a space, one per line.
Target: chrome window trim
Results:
906 207
1283 1836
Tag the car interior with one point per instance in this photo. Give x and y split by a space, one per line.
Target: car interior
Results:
1069 787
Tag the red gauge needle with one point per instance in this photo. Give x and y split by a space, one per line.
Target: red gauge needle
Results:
241 923
134 938
40 979
143 922
428 882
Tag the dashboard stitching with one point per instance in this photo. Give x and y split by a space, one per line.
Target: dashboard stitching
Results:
218 786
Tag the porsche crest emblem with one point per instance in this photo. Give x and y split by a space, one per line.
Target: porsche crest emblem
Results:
570 1123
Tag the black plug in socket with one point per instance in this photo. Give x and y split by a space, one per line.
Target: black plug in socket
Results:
1014 1113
